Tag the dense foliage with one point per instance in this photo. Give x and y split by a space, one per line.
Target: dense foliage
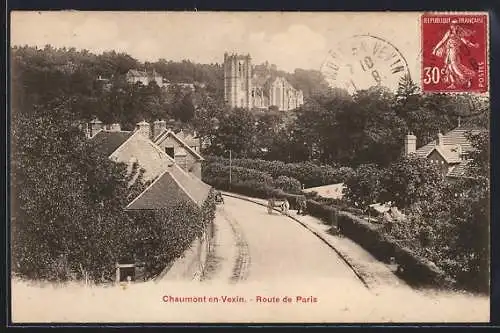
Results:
68 218
447 222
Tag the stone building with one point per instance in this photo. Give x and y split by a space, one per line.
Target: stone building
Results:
145 143
133 76
247 86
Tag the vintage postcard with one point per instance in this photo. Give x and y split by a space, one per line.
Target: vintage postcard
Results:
249 167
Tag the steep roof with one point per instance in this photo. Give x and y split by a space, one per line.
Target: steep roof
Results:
452 138
171 183
142 150
449 153
170 187
109 141
186 146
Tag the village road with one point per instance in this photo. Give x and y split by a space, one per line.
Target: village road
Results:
273 247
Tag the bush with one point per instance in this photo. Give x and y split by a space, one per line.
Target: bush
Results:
287 184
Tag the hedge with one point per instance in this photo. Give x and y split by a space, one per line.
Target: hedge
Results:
163 235
416 269
307 173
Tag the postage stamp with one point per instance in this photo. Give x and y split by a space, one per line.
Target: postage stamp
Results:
454 53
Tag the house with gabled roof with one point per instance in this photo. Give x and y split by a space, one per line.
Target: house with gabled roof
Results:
185 155
449 151
169 182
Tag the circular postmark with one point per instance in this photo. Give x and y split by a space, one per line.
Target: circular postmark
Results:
364 61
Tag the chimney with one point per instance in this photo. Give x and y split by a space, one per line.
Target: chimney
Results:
440 141
410 144
159 126
171 125
115 127
459 151
144 128
95 126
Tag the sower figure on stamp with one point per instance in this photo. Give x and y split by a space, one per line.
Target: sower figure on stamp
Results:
456 73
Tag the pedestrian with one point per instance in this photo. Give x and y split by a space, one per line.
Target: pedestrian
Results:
270 205
285 207
301 203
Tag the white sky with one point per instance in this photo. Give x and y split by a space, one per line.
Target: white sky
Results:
289 40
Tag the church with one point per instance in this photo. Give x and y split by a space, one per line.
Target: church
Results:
255 87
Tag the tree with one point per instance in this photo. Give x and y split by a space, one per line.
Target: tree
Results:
69 198
236 132
184 109
412 180
364 186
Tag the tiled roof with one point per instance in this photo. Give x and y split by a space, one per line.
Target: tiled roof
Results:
107 141
163 193
460 170
453 138
142 150
162 137
135 72
196 188
450 154
172 186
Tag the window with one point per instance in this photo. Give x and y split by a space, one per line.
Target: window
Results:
170 151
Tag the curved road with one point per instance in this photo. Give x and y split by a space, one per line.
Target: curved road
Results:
274 246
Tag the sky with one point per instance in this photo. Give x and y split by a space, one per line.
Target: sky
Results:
288 39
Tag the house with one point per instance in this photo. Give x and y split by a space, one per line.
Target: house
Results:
134 76
169 182
449 151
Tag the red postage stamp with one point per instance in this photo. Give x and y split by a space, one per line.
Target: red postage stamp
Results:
454 52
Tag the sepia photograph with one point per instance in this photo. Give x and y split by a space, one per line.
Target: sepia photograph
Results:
249 167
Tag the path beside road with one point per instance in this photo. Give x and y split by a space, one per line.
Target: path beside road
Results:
370 270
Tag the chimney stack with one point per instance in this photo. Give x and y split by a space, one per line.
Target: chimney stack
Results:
410 144
144 128
115 127
459 151
171 125
95 126
159 126
440 140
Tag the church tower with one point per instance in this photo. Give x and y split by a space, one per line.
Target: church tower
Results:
237 80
